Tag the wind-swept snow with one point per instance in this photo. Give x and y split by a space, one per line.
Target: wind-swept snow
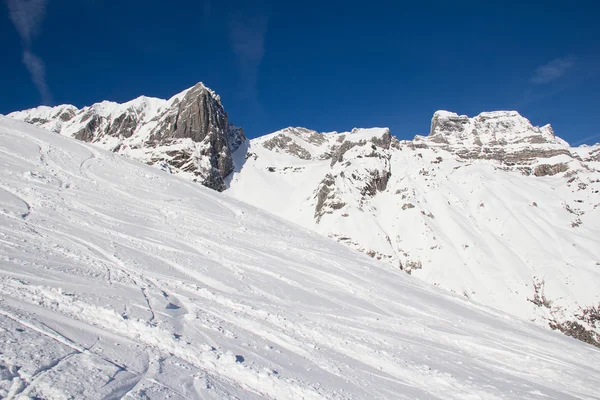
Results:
120 280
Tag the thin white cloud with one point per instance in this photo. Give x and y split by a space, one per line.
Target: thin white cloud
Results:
553 70
247 35
27 17
587 139
36 68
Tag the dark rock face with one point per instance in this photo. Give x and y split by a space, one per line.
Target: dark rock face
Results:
338 156
88 132
66 115
326 198
124 125
365 169
235 137
200 116
454 123
37 121
377 182
514 156
547 169
576 330
594 155
287 144
384 142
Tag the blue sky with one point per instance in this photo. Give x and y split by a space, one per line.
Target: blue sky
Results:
325 65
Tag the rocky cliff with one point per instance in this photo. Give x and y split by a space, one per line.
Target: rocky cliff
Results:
503 136
189 134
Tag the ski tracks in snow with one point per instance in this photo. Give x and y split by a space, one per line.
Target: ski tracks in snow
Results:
139 284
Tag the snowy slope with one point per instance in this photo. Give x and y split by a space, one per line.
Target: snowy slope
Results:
118 279
490 207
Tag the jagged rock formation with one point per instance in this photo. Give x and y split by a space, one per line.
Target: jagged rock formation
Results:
189 132
502 135
547 169
358 163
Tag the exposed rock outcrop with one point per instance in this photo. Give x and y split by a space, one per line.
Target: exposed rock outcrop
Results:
287 145
504 136
357 162
547 169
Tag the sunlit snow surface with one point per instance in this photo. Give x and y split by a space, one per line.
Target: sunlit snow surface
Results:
476 227
118 279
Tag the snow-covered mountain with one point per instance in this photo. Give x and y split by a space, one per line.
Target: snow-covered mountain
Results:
188 134
489 207
118 280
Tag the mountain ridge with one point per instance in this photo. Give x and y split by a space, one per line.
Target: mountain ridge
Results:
490 206
189 132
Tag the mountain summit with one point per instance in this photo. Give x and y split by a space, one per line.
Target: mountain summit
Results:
500 135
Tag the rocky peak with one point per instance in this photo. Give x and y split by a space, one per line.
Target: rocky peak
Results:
364 139
190 132
447 122
505 136
200 114
487 128
202 118
299 142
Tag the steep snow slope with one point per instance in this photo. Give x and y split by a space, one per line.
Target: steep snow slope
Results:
117 279
489 207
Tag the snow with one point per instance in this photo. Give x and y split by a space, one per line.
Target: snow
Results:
43 112
498 114
445 114
107 109
477 228
120 280
359 134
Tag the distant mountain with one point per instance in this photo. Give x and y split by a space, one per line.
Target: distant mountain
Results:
489 207
188 134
